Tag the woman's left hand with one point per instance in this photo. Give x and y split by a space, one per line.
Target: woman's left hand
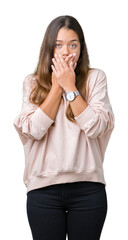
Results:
64 73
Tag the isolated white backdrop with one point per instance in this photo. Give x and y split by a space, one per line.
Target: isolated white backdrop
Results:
23 24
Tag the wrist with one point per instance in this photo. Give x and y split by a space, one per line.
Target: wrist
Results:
70 88
57 90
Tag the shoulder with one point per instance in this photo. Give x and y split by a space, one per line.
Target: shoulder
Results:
95 76
29 79
96 80
29 82
96 73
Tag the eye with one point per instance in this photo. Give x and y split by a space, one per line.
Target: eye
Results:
58 45
73 45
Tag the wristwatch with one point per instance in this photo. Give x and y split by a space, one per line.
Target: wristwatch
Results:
70 96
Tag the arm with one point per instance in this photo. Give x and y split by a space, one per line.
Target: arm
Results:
97 117
78 105
33 121
51 104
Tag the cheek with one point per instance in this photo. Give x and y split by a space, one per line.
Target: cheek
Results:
78 54
77 58
56 51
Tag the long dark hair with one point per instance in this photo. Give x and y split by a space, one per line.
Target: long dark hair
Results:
43 70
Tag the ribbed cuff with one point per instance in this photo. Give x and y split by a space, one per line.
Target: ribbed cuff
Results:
86 117
42 119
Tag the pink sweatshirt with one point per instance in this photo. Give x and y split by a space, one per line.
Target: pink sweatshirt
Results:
66 152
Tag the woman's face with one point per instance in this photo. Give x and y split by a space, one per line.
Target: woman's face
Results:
67 42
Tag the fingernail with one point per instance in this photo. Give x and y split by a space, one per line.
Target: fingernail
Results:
74 54
53 59
55 55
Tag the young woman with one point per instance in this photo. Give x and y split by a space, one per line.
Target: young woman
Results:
65 124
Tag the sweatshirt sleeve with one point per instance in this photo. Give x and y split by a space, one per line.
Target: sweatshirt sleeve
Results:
32 122
98 118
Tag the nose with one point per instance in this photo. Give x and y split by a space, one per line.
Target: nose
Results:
65 51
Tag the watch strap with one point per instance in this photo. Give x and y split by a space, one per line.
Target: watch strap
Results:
76 93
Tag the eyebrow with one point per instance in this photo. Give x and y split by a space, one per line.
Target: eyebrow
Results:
74 40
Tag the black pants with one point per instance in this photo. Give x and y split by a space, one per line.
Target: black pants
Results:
78 209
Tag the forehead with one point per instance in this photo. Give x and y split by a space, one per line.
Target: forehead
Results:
66 35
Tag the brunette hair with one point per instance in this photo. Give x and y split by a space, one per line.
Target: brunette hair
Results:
43 70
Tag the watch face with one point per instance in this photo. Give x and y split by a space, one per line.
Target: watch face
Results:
70 96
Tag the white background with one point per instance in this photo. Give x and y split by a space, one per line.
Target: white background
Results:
23 24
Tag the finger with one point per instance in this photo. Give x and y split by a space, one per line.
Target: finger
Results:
63 62
56 65
68 58
54 70
75 58
58 61
72 59
72 66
